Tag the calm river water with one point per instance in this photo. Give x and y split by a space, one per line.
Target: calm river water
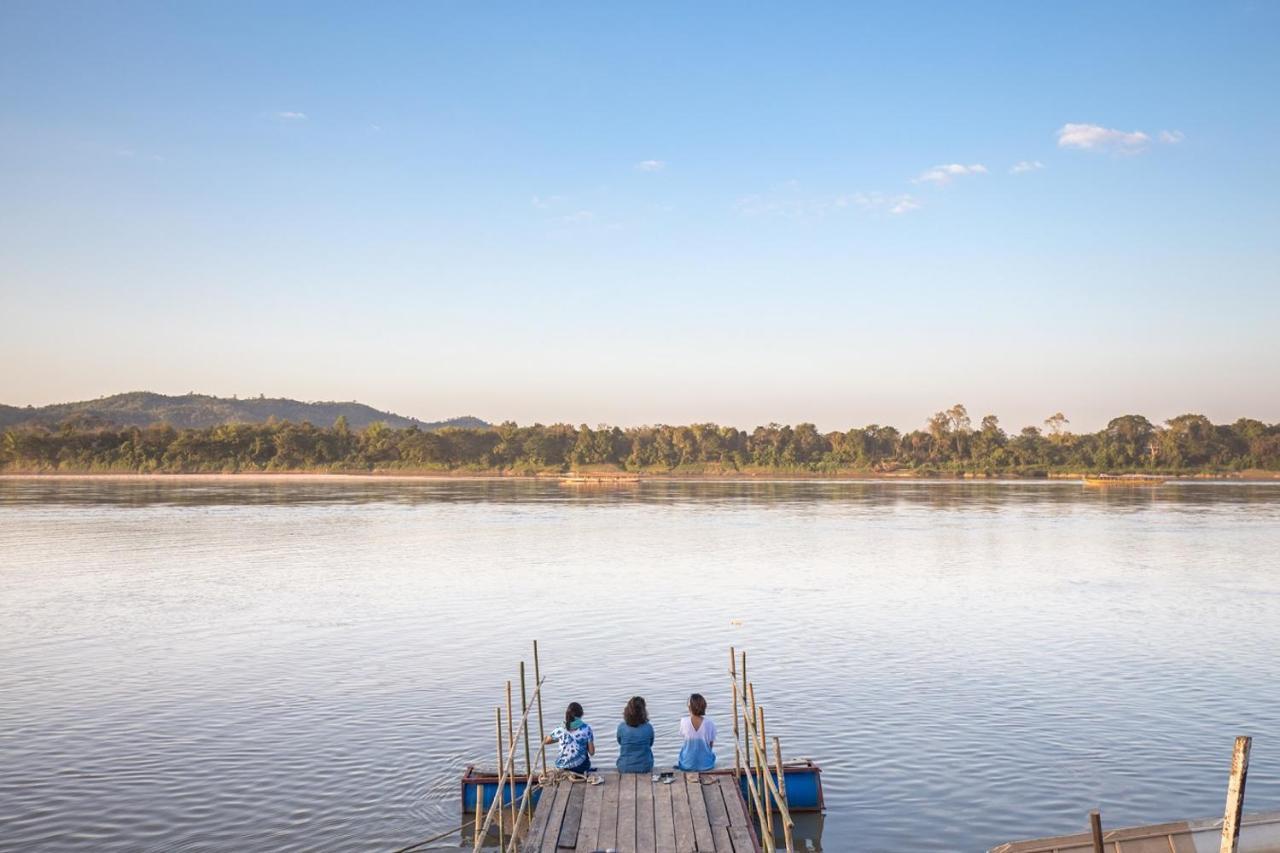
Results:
309 665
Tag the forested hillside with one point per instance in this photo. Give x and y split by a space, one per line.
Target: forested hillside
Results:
949 444
141 408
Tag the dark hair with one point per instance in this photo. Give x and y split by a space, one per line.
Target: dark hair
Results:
572 713
635 714
697 705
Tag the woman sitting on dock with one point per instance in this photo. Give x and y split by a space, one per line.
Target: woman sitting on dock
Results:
635 738
699 733
577 741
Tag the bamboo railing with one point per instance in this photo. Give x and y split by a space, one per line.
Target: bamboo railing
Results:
767 794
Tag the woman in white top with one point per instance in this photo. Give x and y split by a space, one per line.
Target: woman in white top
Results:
697 753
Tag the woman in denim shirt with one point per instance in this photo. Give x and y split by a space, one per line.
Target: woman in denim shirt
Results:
635 738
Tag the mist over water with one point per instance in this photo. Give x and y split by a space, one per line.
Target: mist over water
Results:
304 665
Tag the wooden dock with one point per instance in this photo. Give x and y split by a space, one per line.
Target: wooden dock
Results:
631 813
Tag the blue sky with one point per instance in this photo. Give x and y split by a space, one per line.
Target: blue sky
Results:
659 213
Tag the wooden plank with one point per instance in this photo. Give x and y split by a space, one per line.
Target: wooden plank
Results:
698 809
589 829
645 834
682 816
541 813
714 796
724 842
572 816
664 827
626 842
741 830
564 790
609 812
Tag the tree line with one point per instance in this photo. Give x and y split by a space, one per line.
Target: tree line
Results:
949 443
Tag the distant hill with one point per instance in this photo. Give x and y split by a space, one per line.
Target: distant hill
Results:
141 408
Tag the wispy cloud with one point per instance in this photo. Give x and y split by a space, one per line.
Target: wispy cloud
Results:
578 217
546 202
1024 166
944 174
788 202
896 204
289 115
1171 137
1095 137
651 165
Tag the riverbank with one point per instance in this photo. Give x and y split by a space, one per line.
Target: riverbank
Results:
601 477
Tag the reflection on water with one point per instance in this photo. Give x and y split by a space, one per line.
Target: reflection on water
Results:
301 665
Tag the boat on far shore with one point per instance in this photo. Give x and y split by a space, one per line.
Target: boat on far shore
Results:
1130 480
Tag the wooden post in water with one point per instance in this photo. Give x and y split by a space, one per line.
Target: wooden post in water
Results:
542 735
511 739
747 732
782 790
500 766
1235 795
1095 829
528 755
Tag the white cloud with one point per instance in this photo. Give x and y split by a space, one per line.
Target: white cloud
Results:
788 202
1094 137
1171 137
292 116
578 217
876 201
1023 166
904 204
651 165
544 202
942 175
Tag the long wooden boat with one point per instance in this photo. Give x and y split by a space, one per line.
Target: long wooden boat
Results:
803 778
1128 480
1259 833
599 480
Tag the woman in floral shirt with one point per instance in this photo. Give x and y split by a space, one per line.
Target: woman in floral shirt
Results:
577 741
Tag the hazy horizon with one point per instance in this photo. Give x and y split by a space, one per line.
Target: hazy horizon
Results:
430 417
739 214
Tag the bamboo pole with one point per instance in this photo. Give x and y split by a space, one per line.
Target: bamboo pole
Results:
768 778
762 761
769 844
542 735
1095 830
528 755
744 698
761 782
1235 795
782 789
511 739
497 799
508 764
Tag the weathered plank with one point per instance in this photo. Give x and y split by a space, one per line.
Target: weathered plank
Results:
682 817
698 810
724 841
572 816
589 829
645 840
609 812
626 842
664 828
741 829
538 828
564 790
714 796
